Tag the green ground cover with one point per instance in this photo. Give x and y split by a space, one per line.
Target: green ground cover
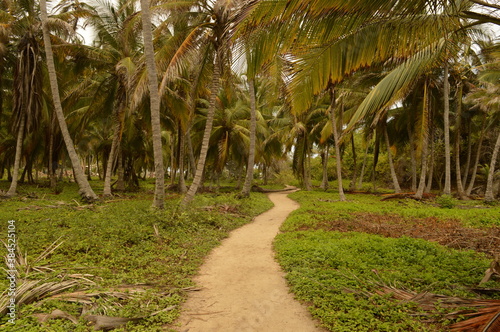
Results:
136 260
340 274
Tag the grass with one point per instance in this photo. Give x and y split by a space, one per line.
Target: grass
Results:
338 274
146 257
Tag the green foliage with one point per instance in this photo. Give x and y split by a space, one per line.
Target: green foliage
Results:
446 201
338 274
122 242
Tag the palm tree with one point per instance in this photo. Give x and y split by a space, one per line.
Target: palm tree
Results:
159 199
219 20
27 78
85 190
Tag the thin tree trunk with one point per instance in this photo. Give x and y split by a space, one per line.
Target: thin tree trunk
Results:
365 160
120 171
413 159
395 181
447 149
324 182
192 161
338 159
465 175
476 161
52 172
488 195
206 135
307 167
430 168
352 186
375 160
119 117
85 190
17 159
182 153
425 143
245 192
159 197
458 123
423 172
89 167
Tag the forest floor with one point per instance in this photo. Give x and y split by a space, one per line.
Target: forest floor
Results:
242 287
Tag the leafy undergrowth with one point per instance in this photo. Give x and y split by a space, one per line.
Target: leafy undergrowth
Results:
128 259
340 255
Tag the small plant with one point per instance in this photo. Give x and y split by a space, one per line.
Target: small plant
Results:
446 201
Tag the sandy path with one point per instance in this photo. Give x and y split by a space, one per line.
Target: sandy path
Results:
243 288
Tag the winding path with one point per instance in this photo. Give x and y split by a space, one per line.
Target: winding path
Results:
242 286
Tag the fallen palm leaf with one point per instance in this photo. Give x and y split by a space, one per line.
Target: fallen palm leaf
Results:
484 314
42 318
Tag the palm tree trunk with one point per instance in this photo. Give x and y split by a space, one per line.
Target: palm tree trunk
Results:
376 153
428 186
488 195
245 192
182 153
395 181
421 186
149 53
85 190
458 123
447 150
120 171
119 118
365 159
413 158
192 161
17 159
352 186
465 175
324 182
206 135
52 171
338 159
476 161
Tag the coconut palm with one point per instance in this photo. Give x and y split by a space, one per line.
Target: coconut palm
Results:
217 23
155 105
85 190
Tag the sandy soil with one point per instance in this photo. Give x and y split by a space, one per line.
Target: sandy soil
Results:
242 287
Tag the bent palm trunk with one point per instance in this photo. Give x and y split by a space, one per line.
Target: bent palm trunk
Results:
206 136
85 190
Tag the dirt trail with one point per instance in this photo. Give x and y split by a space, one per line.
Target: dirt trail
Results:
243 288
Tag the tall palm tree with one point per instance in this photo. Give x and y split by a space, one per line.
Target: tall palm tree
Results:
85 190
159 199
220 18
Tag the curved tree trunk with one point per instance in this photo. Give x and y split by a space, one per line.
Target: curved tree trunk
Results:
85 190
488 195
447 150
338 159
17 159
149 54
206 135
394 176
245 192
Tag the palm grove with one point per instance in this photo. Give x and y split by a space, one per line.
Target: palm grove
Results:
387 92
